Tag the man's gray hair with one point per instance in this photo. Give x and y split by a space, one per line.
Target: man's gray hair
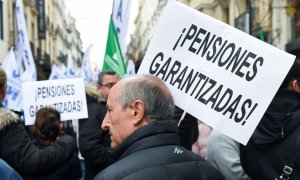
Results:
159 104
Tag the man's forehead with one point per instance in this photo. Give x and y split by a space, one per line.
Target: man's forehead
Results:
109 79
109 99
113 93
110 76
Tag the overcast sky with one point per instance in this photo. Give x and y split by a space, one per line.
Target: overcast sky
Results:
92 21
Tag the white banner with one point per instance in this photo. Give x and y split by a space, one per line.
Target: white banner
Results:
217 73
19 51
70 73
96 72
121 13
23 47
86 71
65 95
58 71
13 98
130 67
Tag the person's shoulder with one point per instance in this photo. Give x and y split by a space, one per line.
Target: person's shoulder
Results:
166 166
209 172
114 171
195 164
95 106
216 138
122 168
7 172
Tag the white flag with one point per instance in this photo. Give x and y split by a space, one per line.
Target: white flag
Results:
70 72
23 45
58 72
96 72
130 67
86 72
121 13
13 98
19 50
54 72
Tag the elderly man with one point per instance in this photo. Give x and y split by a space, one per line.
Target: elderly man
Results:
144 137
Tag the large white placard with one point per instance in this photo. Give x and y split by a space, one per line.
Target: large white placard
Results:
65 95
215 72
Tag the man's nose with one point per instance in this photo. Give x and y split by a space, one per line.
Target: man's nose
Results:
104 125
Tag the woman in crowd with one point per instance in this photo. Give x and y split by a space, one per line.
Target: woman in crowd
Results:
47 129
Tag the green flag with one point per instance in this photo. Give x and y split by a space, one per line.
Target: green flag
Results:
113 59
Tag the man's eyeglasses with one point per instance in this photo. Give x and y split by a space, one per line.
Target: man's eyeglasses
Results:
108 85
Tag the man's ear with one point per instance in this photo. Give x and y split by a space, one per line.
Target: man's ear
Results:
137 111
293 85
98 86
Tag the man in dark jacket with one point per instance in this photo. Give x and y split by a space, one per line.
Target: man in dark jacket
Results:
17 149
274 143
94 143
145 138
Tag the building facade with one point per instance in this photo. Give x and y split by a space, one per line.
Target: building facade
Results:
292 37
51 32
3 29
148 16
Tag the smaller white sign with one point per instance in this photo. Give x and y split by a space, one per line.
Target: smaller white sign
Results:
65 95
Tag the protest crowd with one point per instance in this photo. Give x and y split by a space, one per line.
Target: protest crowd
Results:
165 121
132 132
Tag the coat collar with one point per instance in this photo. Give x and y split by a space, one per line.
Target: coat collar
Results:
157 133
7 117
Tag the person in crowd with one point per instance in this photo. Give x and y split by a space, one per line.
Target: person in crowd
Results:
7 172
200 146
68 128
94 143
275 142
224 154
91 94
47 129
144 137
17 148
188 130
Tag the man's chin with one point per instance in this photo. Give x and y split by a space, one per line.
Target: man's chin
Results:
113 145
